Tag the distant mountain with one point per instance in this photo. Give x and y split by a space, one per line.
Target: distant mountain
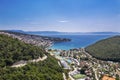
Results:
104 33
71 33
66 33
107 49
20 31
43 32
26 36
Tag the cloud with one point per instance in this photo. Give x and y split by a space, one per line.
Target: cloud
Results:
63 21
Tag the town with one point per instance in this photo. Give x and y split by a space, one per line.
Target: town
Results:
77 63
83 66
41 41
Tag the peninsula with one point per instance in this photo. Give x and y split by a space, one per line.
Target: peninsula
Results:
37 40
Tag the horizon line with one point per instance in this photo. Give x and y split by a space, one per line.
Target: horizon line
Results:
57 31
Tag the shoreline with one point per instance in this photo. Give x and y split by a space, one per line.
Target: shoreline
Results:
36 40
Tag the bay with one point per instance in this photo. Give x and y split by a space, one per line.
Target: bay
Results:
77 41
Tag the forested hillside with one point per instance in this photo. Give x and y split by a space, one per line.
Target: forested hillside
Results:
13 50
107 49
46 70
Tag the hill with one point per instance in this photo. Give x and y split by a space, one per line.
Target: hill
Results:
107 49
37 40
13 50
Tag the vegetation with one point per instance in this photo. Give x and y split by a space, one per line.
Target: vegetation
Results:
46 70
78 76
12 50
107 49
54 39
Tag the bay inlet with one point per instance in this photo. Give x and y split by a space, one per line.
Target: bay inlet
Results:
77 41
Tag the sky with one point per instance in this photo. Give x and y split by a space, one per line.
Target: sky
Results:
60 15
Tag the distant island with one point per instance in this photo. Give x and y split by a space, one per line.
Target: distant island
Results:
107 49
65 33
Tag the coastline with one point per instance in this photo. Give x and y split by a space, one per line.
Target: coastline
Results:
36 40
77 41
72 60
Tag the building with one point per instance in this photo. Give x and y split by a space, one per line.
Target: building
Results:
64 64
105 77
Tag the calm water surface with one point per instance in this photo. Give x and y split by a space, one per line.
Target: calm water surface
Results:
77 41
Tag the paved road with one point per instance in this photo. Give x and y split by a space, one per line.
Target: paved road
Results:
25 62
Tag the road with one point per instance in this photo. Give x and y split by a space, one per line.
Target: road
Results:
21 64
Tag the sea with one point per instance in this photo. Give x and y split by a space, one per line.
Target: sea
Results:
77 41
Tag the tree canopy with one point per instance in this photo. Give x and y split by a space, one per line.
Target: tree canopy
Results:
107 49
13 50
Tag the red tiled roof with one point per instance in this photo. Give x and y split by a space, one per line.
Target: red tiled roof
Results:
107 78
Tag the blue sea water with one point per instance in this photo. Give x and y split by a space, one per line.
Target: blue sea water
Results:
77 41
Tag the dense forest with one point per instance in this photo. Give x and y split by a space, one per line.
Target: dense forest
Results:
13 50
46 70
107 49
